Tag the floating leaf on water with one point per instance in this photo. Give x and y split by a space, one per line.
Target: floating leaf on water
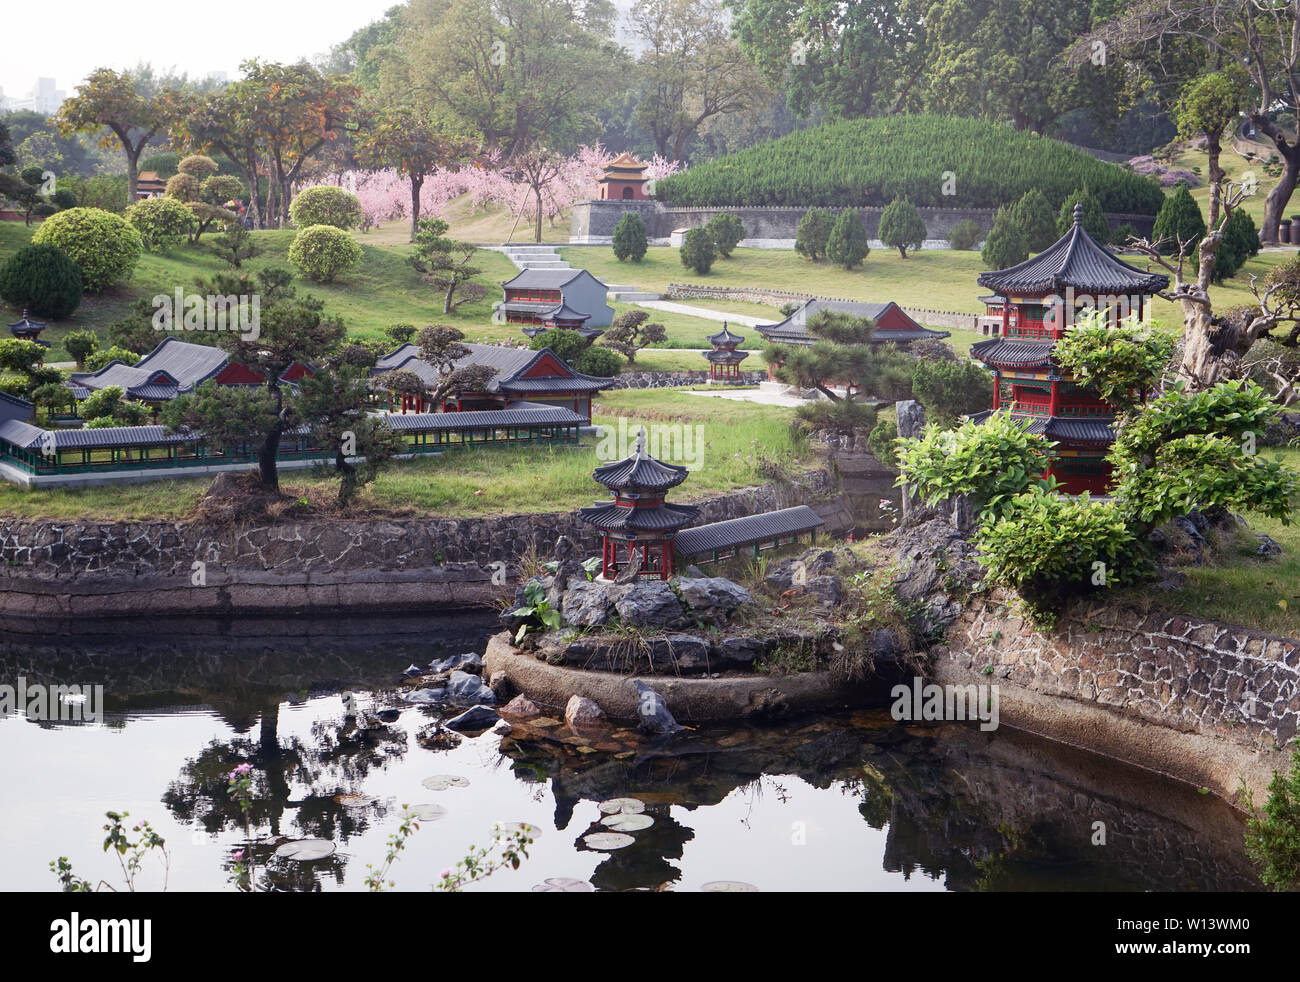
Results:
630 806
306 850
563 884
627 822
532 831
544 722
354 800
441 782
729 886
428 813
607 840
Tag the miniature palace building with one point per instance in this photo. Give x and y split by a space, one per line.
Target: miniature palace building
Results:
623 179
638 520
724 359
1037 301
27 329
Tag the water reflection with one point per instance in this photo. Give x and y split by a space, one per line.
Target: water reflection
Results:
939 807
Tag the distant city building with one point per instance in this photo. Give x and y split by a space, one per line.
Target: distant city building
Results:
43 98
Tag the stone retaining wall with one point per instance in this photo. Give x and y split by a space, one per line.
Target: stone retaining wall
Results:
669 380
1177 671
104 569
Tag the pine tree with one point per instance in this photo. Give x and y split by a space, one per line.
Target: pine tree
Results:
847 244
1240 242
1033 216
1179 222
814 230
1005 246
698 251
901 226
629 238
1094 219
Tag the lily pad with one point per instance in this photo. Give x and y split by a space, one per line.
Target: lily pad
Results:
607 840
729 886
563 884
628 806
627 822
428 813
441 782
354 800
530 830
306 850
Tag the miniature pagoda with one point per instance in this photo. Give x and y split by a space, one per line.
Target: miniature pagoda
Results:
28 330
1037 301
638 526
623 179
724 359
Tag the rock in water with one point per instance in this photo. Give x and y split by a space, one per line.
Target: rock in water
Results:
467 662
474 719
521 707
582 712
468 690
652 712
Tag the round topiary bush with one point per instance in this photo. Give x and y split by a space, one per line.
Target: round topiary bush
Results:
104 246
42 280
161 222
326 205
600 362
322 252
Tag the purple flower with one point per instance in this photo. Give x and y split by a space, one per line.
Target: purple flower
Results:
446 873
238 856
243 769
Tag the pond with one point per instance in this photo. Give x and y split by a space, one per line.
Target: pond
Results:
852 801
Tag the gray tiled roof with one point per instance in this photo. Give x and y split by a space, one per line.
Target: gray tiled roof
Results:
795 327
544 279
184 363
12 407
617 518
510 364
1099 430
746 531
1017 353
1075 260
548 416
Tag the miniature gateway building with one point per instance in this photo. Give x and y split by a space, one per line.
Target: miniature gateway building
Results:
1037 301
724 360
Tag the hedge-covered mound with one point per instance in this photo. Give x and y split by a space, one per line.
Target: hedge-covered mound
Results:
870 162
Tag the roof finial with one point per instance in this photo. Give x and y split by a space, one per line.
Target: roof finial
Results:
1078 213
640 442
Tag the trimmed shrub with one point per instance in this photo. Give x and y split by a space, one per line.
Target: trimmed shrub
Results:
1005 245
104 246
1094 218
1240 242
322 252
600 362
629 238
698 251
197 165
161 222
80 344
965 235
847 244
43 280
326 205
726 230
1032 214
949 389
1179 219
98 359
566 343
901 226
881 443
814 230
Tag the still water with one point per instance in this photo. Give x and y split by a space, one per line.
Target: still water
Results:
847 802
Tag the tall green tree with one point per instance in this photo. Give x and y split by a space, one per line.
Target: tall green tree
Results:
847 244
1179 227
1208 107
1033 216
901 226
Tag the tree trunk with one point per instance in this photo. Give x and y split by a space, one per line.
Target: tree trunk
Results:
286 196
1213 347
537 236
1277 200
416 183
1213 150
347 477
451 292
132 172
269 454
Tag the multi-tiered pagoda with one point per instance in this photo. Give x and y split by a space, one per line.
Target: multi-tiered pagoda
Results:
638 526
1037 301
724 359
28 330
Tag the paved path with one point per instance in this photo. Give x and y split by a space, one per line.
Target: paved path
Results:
714 315
764 397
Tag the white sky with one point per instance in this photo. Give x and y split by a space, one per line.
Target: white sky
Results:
75 37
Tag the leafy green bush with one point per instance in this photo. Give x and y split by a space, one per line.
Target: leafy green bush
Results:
991 462
1179 220
847 244
949 389
42 280
600 362
104 246
322 252
98 359
629 238
1240 242
1273 838
1120 361
1032 214
894 156
326 205
1005 246
726 230
566 343
1039 541
161 222
901 226
80 344
1119 237
106 192
844 417
698 251
814 230
965 235
881 441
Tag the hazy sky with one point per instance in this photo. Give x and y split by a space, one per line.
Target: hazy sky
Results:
69 39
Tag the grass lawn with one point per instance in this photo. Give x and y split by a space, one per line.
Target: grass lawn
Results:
731 445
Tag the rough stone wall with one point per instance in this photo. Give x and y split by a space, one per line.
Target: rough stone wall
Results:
598 218
1172 670
668 380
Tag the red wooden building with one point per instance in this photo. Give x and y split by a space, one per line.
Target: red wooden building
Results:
623 179
724 359
639 525
1038 300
